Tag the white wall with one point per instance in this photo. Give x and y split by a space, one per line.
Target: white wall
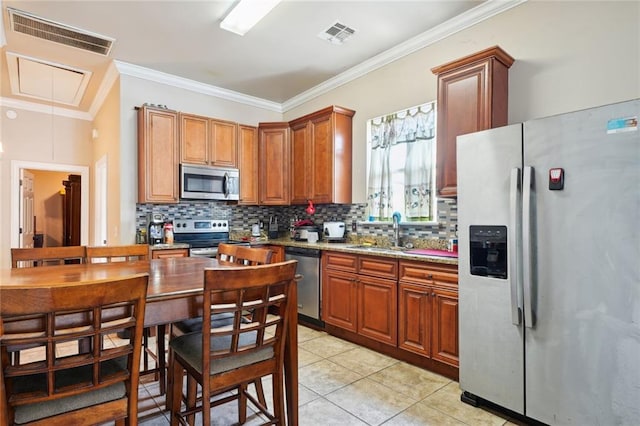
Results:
38 138
569 55
107 143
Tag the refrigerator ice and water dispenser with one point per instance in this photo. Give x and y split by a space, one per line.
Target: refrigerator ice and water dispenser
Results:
488 250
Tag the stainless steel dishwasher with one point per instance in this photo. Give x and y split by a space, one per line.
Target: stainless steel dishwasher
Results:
309 286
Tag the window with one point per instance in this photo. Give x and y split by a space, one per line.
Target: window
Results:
401 165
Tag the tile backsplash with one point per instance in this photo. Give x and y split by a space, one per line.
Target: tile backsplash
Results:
242 217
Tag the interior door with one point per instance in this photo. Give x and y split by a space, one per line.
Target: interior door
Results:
27 218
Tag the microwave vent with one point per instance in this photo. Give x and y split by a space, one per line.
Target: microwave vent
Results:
35 26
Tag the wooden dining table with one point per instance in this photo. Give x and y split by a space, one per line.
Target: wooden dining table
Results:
174 293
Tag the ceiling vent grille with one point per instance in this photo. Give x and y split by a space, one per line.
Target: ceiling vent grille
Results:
35 26
337 33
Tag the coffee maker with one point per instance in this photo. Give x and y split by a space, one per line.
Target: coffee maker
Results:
155 233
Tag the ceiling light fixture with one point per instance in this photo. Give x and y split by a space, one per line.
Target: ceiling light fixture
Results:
247 13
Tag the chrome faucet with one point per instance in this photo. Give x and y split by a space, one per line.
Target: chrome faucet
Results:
396 229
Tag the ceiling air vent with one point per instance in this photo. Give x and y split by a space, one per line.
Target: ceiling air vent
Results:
45 29
337 33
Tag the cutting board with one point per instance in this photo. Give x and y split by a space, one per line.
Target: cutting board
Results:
433 252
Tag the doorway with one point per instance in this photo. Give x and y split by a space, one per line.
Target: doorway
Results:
17 169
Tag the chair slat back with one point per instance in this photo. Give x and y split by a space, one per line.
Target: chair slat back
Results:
227 252
55 319
253 255
27 257
257 297
124 253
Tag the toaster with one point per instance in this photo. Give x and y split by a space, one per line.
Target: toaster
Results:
334 230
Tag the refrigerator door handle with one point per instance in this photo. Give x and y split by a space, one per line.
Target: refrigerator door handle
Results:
514 196
527 184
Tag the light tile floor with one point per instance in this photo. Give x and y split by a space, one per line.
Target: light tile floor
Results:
341 383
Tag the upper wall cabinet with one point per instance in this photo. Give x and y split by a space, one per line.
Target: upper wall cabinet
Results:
207 141
472 96
248 164
157 155
321 148
273 163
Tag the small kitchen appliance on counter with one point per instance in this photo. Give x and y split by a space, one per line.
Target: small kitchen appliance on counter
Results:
334 231
155 228
303 227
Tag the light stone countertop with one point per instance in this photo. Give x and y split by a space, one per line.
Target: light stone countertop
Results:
357 248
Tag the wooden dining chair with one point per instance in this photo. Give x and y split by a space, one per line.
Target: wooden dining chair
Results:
229 253
220 359
126 253
66 386
108 254
43 256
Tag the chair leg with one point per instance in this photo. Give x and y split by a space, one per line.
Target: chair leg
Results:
192 391
176 392
242 403
278 395
260 391
161 358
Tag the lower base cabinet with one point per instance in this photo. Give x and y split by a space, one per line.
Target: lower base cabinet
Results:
428 311
165 253
359 294
409 305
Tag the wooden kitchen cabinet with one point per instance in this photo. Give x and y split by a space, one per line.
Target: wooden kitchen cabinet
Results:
157 155
207 141
166 253
360 295
472 96
224 145
321 147
274 162
248 164
194 139
428 310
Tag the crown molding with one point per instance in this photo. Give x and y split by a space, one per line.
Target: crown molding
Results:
471 17
110 77
194 86
45 109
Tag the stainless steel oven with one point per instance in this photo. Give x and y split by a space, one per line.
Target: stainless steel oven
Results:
202 235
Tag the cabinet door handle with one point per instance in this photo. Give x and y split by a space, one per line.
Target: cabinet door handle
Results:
429 276
433 295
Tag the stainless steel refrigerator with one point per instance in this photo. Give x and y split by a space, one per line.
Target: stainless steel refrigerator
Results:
549 266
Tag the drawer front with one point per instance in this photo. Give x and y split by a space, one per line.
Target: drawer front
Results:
381 267
429 274
340 261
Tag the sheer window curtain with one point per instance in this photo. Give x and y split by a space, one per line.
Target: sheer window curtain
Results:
415 130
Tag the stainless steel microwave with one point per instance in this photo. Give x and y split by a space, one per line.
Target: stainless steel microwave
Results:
209 183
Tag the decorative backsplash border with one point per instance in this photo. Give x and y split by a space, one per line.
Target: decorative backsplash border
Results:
242 217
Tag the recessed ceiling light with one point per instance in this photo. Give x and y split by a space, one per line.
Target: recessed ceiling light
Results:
246 14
